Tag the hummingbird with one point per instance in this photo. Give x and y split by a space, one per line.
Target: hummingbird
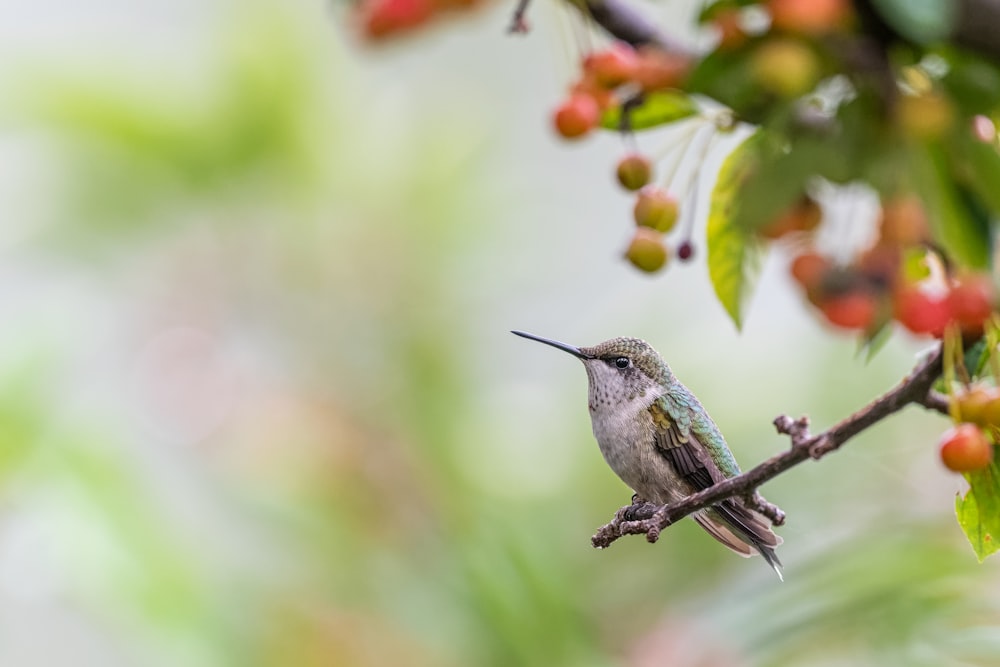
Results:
656 436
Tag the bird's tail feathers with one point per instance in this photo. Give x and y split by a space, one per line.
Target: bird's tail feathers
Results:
742 530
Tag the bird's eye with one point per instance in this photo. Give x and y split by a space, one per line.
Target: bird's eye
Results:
622 362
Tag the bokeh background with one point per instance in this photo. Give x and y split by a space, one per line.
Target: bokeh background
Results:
259 404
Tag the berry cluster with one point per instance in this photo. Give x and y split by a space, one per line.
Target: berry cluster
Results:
969 445
612 76
655 213
880 285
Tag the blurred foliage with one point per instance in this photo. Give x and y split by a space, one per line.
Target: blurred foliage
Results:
320 240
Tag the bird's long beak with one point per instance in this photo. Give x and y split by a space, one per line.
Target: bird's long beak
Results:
575 351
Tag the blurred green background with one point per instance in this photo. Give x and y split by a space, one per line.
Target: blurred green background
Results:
259 404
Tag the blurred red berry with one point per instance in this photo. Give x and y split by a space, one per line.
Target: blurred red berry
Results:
577 116
965 448
381 18
685 251
854 310
612 67
920 311
809 268
971 302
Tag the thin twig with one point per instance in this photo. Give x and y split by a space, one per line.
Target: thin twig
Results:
649 519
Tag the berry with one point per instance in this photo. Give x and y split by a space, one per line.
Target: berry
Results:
656 209
965 448
658 70
853 310
991 413
785 67
685 251
809 268
634 171
612 67
808 17
970 302
921 312
904 221
803 216
646 251
576 116
974 405
385 17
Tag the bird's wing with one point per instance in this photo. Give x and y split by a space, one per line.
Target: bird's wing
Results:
739 526
683 451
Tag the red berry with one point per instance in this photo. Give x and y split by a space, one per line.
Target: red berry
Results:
965 448
685 251
612 67
384 17
921 312
634 171
854 310
577 116
809 268
971 302
656 209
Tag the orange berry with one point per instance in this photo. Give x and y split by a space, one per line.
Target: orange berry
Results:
576 116
965 448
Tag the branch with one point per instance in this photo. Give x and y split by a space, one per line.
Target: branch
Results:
649 519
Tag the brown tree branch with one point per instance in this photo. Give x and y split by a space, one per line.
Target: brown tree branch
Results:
649 519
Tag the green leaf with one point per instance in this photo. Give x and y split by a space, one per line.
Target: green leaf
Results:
978 512
731 248
964 233
976 358
660 108
978 165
